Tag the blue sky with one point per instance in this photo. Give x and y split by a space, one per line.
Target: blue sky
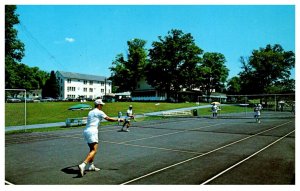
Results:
87 38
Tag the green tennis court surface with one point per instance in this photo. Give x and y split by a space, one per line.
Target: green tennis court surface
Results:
191 151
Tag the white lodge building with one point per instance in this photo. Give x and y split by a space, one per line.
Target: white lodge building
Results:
73 85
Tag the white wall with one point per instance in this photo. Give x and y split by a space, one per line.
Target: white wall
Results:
77 87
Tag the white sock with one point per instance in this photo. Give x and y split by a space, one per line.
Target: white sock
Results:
83 165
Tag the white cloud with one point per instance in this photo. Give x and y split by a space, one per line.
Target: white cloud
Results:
69 39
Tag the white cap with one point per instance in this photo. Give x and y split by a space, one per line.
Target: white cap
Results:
99 102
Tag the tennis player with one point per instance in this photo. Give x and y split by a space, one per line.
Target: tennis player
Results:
214 110
257 112
129 115
90 134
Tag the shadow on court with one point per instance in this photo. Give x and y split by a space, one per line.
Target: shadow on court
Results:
72 170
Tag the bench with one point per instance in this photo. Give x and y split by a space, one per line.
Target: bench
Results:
78 121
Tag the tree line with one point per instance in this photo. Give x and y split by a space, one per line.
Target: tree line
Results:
175 62
18 75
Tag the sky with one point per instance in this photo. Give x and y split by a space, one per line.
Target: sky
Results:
87 38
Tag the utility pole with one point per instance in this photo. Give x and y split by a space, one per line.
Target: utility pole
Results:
105 86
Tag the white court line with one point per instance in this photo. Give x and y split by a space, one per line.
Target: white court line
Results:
151 147
240 162
44 137
9 183
170 133
198 156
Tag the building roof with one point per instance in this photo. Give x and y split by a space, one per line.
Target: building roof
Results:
73 75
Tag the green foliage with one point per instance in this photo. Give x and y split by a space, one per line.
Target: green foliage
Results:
213 72
51 88
266 68
18 75
234 86
14 48
172 62
126 73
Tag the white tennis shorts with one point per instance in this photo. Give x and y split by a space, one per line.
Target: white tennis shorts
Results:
91 136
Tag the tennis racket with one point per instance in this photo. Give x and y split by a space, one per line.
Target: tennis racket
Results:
139 118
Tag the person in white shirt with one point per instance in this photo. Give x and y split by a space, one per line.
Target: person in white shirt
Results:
90 134
129 115
214 110
257 110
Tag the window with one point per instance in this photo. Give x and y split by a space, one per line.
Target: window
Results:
69 80
84 82
102 90
91 89
102 83
91 82
84 89
71 89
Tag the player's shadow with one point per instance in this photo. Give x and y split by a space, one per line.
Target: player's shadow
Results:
72 170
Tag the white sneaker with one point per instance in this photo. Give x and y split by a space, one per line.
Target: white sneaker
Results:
93 168
81 169
126 130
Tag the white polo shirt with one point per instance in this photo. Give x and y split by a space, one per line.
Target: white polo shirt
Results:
93 120
214 109
128 113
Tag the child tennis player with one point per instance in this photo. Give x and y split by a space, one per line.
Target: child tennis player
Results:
129 115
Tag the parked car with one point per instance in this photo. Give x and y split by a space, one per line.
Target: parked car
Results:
13 100
48 99
36 101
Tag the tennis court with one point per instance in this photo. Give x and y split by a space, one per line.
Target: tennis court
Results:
182 150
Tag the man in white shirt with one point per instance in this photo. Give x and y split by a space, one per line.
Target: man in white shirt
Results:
90 134
129 115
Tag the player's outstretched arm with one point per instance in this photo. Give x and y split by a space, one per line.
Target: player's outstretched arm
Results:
113 119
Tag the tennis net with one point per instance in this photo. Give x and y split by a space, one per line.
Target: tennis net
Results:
239 106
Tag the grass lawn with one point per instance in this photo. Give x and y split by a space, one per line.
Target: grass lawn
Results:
50 112
57 112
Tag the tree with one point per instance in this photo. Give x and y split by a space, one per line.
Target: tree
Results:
172 62
14 48
127 73
282 87
265 68
234 85
51 88
214 72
